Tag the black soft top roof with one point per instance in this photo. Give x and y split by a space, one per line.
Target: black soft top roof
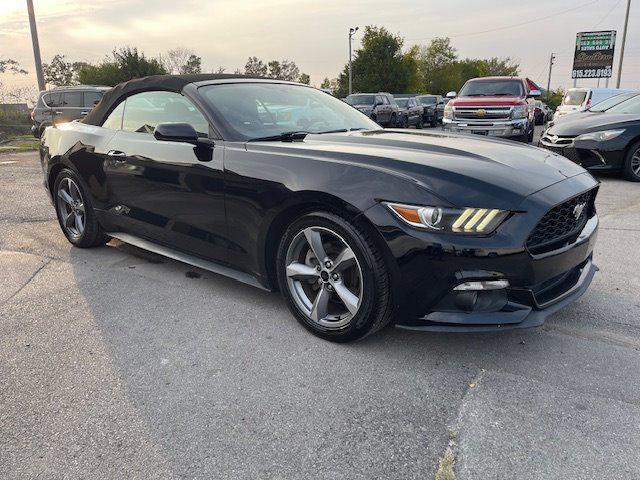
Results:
170 83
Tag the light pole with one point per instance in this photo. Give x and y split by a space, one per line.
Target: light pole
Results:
352 31
551 59
36 45
624 39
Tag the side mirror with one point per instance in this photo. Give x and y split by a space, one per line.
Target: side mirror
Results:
535 93
176 132
452 94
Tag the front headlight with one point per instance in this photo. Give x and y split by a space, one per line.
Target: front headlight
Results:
601 136
519 111
450 220
448 111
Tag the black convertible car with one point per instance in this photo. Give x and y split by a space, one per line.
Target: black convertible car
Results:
603 138
284 187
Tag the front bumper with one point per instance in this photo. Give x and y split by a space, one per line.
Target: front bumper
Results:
429 266
505 129
590 154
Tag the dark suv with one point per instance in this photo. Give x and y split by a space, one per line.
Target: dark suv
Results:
380 107
64 104
433 108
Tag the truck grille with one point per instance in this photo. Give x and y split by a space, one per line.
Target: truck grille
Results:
561 223
482 113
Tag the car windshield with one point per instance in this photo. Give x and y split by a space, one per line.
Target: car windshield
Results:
574 97
631 105
428 100
360 99
255 110
402 102
611 102
492 87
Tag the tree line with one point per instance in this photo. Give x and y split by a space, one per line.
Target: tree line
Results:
380 64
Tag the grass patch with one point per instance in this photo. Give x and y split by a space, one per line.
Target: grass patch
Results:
20 143
447 462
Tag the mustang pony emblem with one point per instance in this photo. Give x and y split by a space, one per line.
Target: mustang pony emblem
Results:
577 210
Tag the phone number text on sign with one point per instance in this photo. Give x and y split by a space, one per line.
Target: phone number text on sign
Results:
591 73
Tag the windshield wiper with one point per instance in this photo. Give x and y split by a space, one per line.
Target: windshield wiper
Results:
340 130
475 95
283 137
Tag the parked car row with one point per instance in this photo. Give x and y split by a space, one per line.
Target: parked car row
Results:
580 99
400 110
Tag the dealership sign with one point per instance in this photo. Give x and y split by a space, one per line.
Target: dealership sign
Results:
594 54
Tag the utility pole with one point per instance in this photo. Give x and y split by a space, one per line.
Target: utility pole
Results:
36 45
624 38
551 59
352 31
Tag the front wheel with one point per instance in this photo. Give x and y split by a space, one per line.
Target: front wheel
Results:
74 210
333 278
632 163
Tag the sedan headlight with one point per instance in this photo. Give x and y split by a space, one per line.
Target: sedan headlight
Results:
601 136
519 111
451 220
448 111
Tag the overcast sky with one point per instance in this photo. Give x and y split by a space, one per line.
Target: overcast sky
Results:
314 33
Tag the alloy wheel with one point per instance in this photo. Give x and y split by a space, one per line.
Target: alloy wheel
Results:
635 163
71 208
324 277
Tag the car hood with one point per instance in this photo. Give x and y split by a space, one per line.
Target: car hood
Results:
486 101
464 170
571 126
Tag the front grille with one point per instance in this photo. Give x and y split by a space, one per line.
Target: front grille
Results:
561 223
568 152
482 113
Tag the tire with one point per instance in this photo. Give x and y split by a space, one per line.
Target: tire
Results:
73 204
530 134
312 292
632 163
392 121
420 124
404 122
434 122
374 118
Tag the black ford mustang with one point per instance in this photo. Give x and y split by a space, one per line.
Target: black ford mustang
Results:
284 187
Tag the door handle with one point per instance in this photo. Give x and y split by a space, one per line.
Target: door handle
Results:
119 156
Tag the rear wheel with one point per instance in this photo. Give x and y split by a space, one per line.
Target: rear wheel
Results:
632 163
75 213
333 278
393 121
434 121
531 133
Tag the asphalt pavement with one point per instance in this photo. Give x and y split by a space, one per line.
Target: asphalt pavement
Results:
116 363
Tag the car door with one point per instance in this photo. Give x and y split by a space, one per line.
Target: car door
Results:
382 112
166 191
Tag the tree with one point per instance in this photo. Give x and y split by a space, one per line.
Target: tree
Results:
326 83
11 66
304 78
175 59
440 70
218 70
255 67
379 65
59 72
553 98
192 65
123 65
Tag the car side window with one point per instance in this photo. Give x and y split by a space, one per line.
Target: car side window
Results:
379 99
385 100
114 120
54 99
72 99
144 111
91 98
